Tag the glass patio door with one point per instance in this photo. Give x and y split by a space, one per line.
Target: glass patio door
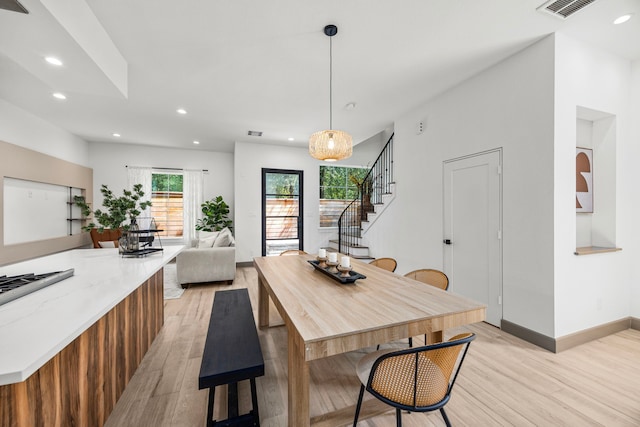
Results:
281 211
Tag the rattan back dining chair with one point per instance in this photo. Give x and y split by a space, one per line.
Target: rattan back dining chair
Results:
388 264
419 379
431 277
293 252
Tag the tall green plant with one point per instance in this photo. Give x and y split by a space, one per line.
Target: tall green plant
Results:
215 215
116 209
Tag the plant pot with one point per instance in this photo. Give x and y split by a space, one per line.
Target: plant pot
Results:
106 236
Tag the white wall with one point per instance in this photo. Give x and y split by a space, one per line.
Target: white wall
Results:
633 203
109 163
366 152
509 105
21 128
594 289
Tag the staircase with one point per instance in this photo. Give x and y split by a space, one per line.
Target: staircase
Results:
376 192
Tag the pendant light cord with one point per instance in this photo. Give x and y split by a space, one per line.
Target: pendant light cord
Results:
330 83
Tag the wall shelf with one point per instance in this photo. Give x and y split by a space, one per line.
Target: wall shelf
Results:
590 250
74 211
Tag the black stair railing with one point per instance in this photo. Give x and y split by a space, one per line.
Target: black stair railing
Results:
375 184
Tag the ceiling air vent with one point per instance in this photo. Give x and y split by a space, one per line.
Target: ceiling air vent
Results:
13 5
254 133
564 8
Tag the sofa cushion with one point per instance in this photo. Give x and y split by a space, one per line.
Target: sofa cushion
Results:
206 239
224 239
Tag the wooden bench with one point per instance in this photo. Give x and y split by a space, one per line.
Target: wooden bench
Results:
232 353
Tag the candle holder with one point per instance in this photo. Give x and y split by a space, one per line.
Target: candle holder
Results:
322 262
344 271
332 267
350 277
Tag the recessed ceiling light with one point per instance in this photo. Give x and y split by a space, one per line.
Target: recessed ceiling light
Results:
181 111
53 60
59 95
290 139
117 135
622 19
196 142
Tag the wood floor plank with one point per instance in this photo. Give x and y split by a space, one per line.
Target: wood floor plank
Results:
504 382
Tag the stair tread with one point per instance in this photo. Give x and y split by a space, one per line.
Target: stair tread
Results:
362 257
350 245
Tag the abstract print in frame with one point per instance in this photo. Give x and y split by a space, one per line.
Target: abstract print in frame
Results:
584 179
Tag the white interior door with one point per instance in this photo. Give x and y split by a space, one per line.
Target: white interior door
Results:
472 229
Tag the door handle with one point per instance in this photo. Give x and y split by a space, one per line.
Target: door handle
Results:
446 241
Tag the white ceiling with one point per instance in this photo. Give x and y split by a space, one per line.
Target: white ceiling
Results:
240 65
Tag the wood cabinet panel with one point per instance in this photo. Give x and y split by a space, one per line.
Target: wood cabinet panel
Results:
81 384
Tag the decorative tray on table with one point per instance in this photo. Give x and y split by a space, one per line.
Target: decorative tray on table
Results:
353 275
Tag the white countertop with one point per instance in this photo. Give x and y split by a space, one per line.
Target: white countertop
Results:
36 327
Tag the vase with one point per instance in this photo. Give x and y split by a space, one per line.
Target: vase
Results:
133 236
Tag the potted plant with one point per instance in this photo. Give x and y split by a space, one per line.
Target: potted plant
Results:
215 215
116 211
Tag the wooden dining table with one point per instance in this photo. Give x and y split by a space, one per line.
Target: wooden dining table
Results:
324 317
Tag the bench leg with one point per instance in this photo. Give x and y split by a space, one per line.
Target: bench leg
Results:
232 401
210 420
233 419
254 402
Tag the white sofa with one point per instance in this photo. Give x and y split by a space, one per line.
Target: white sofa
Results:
212 258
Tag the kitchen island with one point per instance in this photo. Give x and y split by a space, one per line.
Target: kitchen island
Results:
68 351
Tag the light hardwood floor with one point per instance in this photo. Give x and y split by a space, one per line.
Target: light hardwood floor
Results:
504 382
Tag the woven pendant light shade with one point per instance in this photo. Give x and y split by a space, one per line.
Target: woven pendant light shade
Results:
330 145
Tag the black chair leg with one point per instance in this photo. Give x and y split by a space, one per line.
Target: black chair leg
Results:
355 419
398 418
410 341
446 419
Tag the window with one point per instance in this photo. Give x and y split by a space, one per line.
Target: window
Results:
338 188
167 203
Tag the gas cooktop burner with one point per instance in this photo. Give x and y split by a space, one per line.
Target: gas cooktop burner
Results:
14 287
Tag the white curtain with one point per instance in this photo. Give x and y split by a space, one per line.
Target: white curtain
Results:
192 196
140 175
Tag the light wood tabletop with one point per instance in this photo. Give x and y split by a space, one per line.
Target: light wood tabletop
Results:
324 317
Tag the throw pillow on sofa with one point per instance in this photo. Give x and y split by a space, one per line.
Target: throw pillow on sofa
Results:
224 239
206 239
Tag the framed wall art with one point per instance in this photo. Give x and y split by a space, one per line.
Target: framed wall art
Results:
584 179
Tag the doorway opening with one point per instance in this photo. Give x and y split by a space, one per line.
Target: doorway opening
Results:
282 225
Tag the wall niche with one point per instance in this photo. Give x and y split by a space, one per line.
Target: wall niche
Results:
596 229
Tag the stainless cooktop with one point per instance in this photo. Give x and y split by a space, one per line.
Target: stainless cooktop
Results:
13 287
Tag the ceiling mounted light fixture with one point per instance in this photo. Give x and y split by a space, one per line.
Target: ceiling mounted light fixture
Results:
330 145
53 61
622 19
